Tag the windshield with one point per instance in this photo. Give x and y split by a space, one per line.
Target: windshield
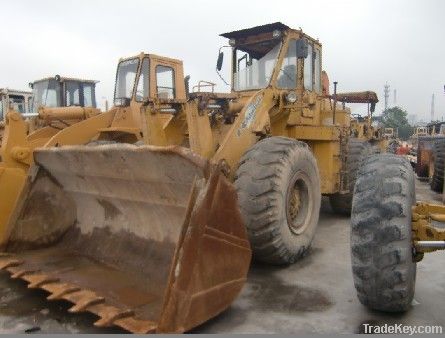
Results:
89 95
72 93
78 93
126 74
254 65
47 94
17 103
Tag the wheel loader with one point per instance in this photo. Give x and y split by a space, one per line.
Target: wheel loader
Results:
19 100
55 104
361 126
60 101
391 232
147 215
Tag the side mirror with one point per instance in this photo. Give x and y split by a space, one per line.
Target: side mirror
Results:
302 48
219 62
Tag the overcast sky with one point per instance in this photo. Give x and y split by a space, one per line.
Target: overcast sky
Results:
365 43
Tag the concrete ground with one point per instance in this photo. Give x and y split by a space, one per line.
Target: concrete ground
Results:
315 295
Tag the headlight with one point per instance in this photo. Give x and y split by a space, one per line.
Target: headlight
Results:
121 102
291 97
232 42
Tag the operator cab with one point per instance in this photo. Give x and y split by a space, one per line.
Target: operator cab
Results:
148 77
17 100
274 55
63 92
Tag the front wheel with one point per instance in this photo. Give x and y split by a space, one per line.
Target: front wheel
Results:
279 196
381 236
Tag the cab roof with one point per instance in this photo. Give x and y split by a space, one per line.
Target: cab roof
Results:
153 56
7 91
63 79
255 30
245 38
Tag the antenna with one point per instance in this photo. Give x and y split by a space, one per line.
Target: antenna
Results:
386 91
432 108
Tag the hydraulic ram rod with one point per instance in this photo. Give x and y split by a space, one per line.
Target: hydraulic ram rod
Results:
430 245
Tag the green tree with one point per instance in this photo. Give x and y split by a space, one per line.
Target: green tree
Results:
396 118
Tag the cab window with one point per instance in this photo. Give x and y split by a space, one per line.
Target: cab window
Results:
142 90
308 69
72 93
317 71
165 83
89 96
17 103
30 104
125 78
287 78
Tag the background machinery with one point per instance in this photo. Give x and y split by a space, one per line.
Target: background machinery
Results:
20 101
55 104
425 165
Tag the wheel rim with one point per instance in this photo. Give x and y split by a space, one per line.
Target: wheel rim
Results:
298 203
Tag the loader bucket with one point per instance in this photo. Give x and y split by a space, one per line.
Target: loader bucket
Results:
147 238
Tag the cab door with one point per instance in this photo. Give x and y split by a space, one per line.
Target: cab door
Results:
168 80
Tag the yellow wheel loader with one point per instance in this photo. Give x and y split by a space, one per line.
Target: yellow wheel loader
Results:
56 103
150 223
60 101
361 126
390 233
18 100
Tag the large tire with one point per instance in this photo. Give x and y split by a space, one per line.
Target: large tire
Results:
279 195
381 239
438 163
358 150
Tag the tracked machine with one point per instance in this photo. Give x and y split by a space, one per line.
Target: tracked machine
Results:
150 221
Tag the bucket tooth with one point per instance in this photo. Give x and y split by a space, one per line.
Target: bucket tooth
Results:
85 302
63 292
36 281
20 273
137 326
111 315
9 263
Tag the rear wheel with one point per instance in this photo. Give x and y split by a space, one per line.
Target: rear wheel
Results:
381 236
279 196
437 167
357 151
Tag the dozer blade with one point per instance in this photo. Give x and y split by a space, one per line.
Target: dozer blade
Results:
147 238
